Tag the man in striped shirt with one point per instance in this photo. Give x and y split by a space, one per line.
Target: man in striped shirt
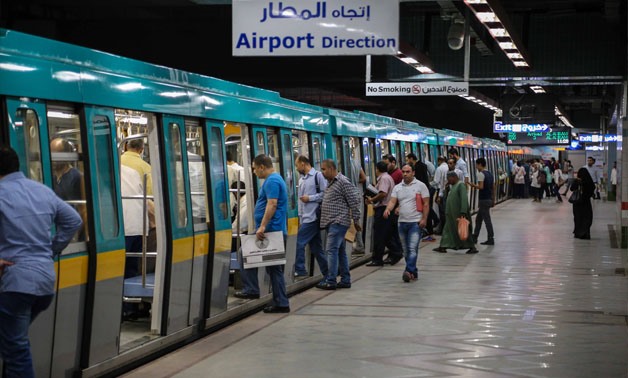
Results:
341 206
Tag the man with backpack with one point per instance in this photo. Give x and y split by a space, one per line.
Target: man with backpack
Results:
312 184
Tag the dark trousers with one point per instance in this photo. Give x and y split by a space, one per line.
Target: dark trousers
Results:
441 214
17 312
386 235
432 219
484 215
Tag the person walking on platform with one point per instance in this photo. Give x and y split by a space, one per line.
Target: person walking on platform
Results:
421 172
341 206
582 209
270 215
411 221
457 206
28 213
384 229
440 179
312 184
486 197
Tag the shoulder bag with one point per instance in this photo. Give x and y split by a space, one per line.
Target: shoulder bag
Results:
576 195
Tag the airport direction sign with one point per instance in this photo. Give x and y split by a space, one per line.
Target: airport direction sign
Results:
432 88
315 28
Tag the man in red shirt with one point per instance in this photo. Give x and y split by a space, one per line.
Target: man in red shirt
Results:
393 170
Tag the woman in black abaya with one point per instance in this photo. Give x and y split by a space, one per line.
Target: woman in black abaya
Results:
582 210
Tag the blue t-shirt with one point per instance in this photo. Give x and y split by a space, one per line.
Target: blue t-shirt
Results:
273 187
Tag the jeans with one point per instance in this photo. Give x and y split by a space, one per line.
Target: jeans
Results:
484 214
336 255
309 233
250 282
17 312
410 235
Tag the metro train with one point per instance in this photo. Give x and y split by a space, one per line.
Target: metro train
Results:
97 103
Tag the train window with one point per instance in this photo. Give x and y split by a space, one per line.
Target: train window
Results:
177 162
273 148
317 152
290 169
196 170
339 157
105 176
384 148
369 162
66 156
31 143
218 172
355 160
260 142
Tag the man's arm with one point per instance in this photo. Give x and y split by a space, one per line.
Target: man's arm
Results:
390 206
362 179
271 207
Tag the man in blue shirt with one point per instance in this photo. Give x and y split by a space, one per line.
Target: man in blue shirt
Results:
312 184
28 211
270 214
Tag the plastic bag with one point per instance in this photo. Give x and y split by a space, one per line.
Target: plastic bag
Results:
463 228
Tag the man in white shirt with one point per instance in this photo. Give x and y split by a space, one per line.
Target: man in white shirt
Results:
440 182
460 164
411 221
234 170
595 175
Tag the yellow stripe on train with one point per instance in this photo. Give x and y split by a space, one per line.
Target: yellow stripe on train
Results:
73 272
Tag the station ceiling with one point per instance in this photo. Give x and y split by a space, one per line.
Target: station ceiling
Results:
577 51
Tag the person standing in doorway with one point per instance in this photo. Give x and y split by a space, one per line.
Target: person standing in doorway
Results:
460 163
270 215
312 185
28 213
486 197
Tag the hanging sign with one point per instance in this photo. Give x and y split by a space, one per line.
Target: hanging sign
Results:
308 27
434 88
499 127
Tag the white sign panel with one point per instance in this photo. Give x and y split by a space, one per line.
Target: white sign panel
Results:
269 251
308 27
434 88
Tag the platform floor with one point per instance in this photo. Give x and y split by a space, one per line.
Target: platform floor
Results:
537 304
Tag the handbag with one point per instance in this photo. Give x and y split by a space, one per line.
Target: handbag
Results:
419 202
463 228
576 195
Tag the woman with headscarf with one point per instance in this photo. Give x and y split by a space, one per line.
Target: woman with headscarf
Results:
582 210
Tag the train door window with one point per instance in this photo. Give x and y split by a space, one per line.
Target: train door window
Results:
340 164
407 148
179 207
384 146
300 146
356 160
290 168
66 156
218 162
273 148
260 141
369 160
196 170
31 144
317 152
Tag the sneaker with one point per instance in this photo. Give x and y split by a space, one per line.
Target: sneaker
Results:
243 295
300 276
428 239
276 309
342 285
407 277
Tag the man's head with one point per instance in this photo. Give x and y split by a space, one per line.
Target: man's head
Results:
9 161
229 157
61 145
135 145
453 153
441 159
263 166
303 164
381 167
590 161
451 163
408 173
391 161
411 158
452 177
329 169
480 164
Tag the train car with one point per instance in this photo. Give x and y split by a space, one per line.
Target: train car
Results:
86 123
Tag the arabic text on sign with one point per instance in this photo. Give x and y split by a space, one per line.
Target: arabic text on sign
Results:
289 12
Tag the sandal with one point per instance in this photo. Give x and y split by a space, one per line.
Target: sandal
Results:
440 249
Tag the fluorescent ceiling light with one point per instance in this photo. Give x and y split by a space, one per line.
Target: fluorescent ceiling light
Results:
537 89
487 17
507 45
521 64
424 69
499 32
475 1
409 60
514 55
